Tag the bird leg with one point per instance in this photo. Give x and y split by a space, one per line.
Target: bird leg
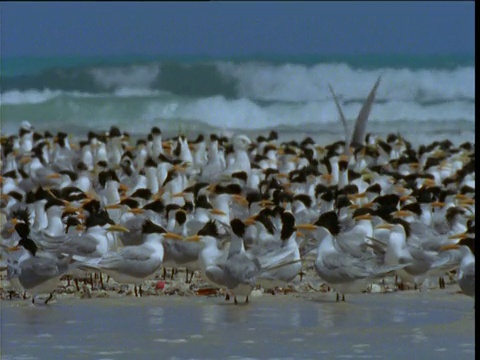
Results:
227 296
343 297
164 273
191 276
75 281
246 300
49 298
235 300
135 290
441 282
338 297
186 277
140 290
101 281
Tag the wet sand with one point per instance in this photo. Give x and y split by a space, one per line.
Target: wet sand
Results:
395 325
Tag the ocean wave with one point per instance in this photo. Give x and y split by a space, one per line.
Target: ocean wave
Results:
257 81
32 96
221 112
290 82
134 76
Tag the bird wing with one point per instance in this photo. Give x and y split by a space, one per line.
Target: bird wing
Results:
37 270
361 122
342 117
338 268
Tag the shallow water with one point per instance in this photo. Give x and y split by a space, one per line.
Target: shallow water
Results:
394 326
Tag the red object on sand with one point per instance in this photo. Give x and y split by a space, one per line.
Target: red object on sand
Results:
160 285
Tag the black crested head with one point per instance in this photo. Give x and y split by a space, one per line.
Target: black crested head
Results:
149 227
200 138
281 196
29 245
468 241
209 229
22 214
92 207
41 194
150 162
71 221
202 202
385 212
238 227
392 138
350 189
263 217
131 203
413 207
320 189
102 178
22 229
273 135
305 199
100 218
288 225
143 193
342 201
254 196
387 199
113 175
188 207
233 189
452 213
342 165
328 195
181 216
114 132
37 137
126 166
102 164
261 138
155 131
277 211
177 149
242 175
157 205
171 207
81 166
54 202
196 188
375 188
329 220
423 195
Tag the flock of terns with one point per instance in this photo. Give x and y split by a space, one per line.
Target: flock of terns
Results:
241 212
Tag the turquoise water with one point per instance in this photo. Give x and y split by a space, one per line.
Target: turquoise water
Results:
436 325
241 94
15 66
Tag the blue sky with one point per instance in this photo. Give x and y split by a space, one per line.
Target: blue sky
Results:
236 28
